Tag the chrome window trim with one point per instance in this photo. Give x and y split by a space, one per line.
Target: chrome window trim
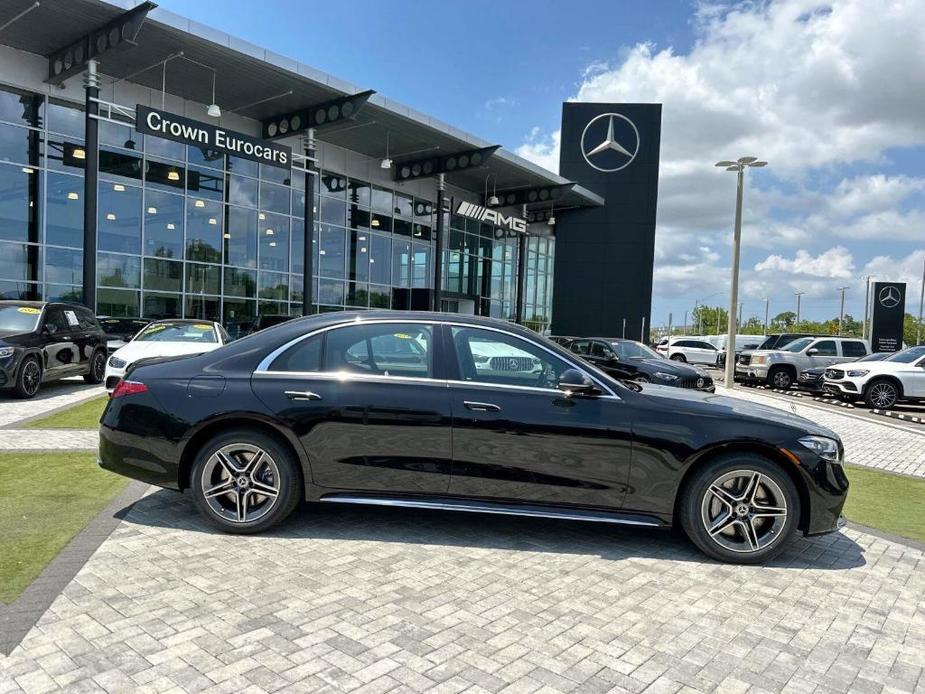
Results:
263 368
350 376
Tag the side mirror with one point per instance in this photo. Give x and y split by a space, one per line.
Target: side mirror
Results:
811 352
572 381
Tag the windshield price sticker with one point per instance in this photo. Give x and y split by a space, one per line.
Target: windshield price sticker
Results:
28 309
402 336
71 319
202 326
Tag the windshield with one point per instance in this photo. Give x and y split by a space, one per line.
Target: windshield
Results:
634 350
798 345
19 319
907 356
177 332
121 326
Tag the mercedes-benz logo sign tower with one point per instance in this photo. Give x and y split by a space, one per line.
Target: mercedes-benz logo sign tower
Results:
605 255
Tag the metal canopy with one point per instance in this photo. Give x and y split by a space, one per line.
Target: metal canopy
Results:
247 73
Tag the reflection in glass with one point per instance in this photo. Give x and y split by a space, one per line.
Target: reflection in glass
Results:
333 211
379 296
119 221
276 174
17 106
333 185
273 285
163 225
117 302
404 206
401 263
203 307
273 238
358 193
161 305
240 282
331 292
64 212
118 270
204 183
20 202
382 200
203 230
236 312
357 294
297 246
211 158
241 237
114 165
245 167
20 261
242 191
25 291
359 256
165 176
19 145
65 118
62 292
331 252
274 198
380 259
159 147
163 275
203 279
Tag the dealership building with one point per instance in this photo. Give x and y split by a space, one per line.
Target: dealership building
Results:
190 164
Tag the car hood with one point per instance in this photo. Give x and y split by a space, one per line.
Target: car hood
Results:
134 351
669 367
699 402
14 338
877 367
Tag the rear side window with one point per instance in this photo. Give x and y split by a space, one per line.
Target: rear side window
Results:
853 348
86 319
825 348
304 356
683 343
390 349
580 346
599 349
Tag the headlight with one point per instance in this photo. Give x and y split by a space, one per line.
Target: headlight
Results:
665 377
858 373
759 360
822 446
116 363
7 352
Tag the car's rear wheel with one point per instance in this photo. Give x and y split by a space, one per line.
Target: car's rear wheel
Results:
97 368
245 481
881 394
678 357
740 508
29 378
780 377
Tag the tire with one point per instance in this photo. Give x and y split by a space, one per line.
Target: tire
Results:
678 357
276 470
739 535
97 368
28 379
881 394
780 377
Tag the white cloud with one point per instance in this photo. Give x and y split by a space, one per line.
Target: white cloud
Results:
541 150
834 263
907 269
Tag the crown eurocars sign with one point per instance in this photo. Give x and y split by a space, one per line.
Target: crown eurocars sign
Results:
169 126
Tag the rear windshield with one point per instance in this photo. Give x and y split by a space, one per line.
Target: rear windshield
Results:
178 332
20 319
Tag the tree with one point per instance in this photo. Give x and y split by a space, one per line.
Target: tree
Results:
913 330
753 325
783 322
710 320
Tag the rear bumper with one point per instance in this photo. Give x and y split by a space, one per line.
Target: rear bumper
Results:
139 457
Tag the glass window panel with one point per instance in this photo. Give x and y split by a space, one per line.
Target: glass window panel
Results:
203 230
276 174
162 305
298 203
60 155
203 307
203 279
61 292
401 263
330 292
204 156
304 356
205 183
163 275
421 266
241 237
242 191
274 198
120 166
64 212
358 193
273 238
122 136
119 218
240 282
382 200
379 296
333 185
245 167
421 232
19 145
402 227
359 256
457 240
380 259
20 261
273 285
423 210
117 302
238 315
404 205
358 294
65 118
357 218
297 246
295 295
118 270
401 349
20 202
272 308
17 106
165 176
380 222
163 225
168 149
332 252
333 211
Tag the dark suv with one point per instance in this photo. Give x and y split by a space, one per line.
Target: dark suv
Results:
41 342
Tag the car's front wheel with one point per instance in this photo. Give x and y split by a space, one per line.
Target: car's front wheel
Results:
245 481
881 395
780 377
29 378
740 508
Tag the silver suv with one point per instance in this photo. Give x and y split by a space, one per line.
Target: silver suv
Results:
780 367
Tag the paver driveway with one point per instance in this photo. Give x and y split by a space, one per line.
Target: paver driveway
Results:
375 599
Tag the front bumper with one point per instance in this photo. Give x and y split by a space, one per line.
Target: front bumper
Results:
845 386
112 376
757 372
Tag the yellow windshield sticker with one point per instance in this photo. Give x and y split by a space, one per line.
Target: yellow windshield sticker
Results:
202 326
154 329
402 336
29 310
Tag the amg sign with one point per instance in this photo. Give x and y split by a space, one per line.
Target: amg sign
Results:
484 214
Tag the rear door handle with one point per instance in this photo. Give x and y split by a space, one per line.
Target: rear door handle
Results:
302 395
481 406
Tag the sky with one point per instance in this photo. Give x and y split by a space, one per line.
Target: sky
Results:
831 94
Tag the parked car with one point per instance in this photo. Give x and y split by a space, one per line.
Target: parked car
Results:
780 368
165 338
688 349
309 410
119 331
773 341
42 342
562 340
742 343
900 377
813 379
631 360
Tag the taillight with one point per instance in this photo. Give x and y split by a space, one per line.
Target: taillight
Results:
124 388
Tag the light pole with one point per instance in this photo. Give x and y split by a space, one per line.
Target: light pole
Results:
918 329
767 307
866 309
841 311
739 167
798 295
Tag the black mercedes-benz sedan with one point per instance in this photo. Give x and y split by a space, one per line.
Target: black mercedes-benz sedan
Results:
445 411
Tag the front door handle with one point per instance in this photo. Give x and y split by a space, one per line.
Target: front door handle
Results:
302 395
481 406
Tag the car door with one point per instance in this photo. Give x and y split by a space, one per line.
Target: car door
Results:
87 335
516 437
365 402
604 358
913 380
60 354
822 353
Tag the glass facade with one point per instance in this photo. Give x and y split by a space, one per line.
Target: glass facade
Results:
184 232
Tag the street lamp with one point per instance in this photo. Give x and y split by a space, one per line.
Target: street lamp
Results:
739 167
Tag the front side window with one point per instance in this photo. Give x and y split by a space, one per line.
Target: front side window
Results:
826 348
486 356
55 321
599 349
385 349
580 346
798 345
177 332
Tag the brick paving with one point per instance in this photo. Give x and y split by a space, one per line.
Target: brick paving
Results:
51 396
886 446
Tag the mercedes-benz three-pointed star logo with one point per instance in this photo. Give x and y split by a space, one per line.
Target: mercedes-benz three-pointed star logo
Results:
620 151
889 297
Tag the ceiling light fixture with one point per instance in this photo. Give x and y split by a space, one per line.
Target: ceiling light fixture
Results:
386 163
152 210
80 153
173 175
118 187
200 203
213 221
73 196
110 216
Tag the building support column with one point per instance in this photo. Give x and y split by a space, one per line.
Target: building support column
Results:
438 245
308 252
91 180
521 274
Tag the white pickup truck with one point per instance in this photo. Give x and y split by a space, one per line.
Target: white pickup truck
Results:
781 367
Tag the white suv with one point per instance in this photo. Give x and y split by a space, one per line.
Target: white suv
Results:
881 384
691 350
780 367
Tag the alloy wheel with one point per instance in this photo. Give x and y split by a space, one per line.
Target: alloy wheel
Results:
744 511
31 377
99 366
240 483
883 395
781 379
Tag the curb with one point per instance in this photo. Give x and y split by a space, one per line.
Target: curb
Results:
899 415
